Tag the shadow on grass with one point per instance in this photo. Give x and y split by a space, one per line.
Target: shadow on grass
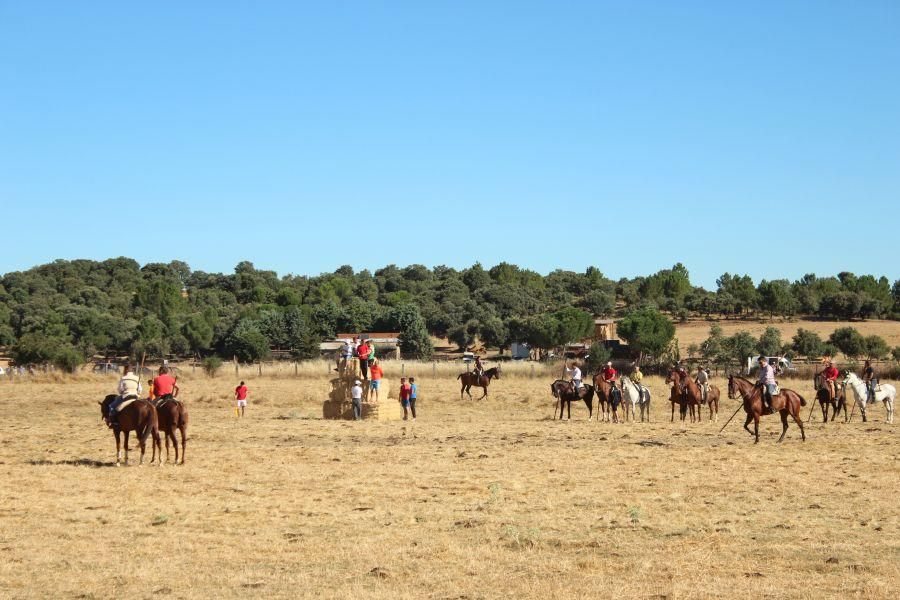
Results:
75 462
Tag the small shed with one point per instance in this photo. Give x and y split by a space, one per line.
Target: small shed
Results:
604 330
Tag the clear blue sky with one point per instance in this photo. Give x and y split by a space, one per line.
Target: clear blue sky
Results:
757 137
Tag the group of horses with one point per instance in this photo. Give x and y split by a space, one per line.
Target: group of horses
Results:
146 418
836 399
627 395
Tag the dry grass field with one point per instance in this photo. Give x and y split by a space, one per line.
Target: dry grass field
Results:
474 500
695 332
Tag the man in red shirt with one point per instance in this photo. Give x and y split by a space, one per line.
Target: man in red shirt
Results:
240 394
405 393
164 385
831 374
609 376
362 351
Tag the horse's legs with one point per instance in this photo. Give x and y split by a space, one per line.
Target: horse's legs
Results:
756 427
171 433
747 422
799 421
118 448
126 445
590 409
784 424
183 429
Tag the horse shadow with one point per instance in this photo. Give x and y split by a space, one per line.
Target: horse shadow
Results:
75 462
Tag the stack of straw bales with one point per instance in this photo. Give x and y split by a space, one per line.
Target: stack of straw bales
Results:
339 405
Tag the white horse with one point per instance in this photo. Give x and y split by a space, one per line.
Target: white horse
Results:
631 398
885 393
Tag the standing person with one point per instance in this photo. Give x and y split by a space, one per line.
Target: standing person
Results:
129 387
405 391
413 394
344 355
164 385
362 352
372 356
871 381
240 394
767 381
376 373
356 393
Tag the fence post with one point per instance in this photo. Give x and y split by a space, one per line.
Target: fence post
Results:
260 368
433 369
295 368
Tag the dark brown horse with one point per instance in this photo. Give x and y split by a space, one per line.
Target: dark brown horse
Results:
788 402
826 399
565 393
139 417
608 399
173 415
471 379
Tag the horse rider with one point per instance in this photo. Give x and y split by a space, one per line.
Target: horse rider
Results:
129 388
702 380
479 368
574 373
164 385
636 378
609 376
766 381
831 374
871 381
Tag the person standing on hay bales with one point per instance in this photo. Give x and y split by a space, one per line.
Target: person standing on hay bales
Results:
405 393
344 356
356 393
363 353
240 394
376 374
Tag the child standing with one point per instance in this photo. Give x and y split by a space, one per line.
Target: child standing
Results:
405 391
375 375
240 394
413 392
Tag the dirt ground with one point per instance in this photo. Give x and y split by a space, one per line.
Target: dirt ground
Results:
473 500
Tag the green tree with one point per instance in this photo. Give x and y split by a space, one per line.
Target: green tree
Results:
740 346
769 343
713 348
808 343
876 347
776 297
849 341
598 355
247 342
647 331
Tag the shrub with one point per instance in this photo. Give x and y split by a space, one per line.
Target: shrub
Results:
211 365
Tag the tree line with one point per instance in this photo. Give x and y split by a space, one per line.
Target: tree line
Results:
67 311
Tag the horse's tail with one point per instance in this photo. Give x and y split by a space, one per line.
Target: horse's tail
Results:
802 400
458 377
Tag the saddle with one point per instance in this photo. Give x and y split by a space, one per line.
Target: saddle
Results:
165 400
129 400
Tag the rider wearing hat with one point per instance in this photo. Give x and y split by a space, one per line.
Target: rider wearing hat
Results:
767 381
702 380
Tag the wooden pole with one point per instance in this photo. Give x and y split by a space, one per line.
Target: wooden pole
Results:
296 366
433 368
236 371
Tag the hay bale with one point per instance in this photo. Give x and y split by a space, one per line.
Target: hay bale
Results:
340 406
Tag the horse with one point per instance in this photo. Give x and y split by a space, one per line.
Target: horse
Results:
140 417
676 396
693 397
562 391
712 400
885 392
823 395
172 415
607 399
471 379
788 402
633 397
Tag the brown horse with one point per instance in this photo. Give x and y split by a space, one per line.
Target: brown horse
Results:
471 379
826 399
677 394
607 400
173 415
563 391
712 400
788 402
139 417
693 397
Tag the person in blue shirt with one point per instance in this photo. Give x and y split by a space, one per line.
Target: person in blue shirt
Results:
414 391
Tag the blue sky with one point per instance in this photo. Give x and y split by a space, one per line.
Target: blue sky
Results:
755 137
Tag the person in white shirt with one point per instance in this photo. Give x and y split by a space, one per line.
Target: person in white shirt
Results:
356 393
574 373
129 387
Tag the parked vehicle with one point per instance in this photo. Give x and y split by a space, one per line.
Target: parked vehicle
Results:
782 364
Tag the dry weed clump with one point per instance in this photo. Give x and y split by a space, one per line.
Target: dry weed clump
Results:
476 499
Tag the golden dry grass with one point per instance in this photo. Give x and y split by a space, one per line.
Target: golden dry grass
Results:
475 500
695 332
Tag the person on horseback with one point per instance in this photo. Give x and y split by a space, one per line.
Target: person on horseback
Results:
636 378
574 373
766 381
129 388
164 385
478 368
870 380
702 380
831 374
609 375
